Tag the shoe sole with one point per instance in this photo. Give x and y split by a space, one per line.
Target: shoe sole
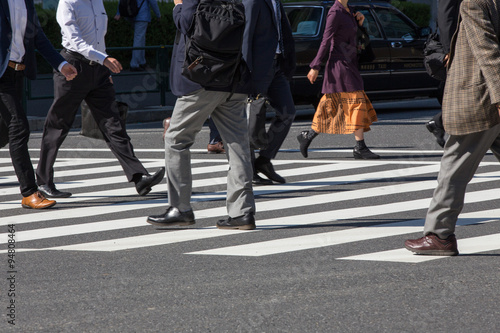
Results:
180 223
216 152
359 157
239 227
433 252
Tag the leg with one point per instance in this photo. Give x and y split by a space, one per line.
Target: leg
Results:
230 118
100 101
461 158
190 112
139 56
11 85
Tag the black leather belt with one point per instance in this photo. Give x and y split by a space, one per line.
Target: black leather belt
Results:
80 57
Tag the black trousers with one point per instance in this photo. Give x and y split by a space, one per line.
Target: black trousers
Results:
11 87
93 85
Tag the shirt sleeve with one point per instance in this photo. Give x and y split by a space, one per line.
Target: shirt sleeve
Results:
326 42
66 17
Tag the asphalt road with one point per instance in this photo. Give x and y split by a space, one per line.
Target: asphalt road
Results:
327 255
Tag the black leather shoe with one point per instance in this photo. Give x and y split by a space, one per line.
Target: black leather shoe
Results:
267 169
172 217
258 180
143 185
364 154
52 192
244 222
437 131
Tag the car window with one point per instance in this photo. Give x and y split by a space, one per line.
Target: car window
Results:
395 25
305 21
370 24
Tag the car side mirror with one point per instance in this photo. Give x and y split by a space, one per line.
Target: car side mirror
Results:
425 31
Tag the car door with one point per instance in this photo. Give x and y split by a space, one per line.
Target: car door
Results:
406 49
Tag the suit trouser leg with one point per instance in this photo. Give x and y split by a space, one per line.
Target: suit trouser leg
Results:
11 85
280 97
189 115
67 98
461 158
100 101
231 120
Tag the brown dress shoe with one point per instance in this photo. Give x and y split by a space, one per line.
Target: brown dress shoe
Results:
166 124
216 148
37 201
431 244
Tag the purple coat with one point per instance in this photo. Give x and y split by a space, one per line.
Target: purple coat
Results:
339 45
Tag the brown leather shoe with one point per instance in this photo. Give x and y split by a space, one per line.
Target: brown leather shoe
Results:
166 124
216 148
37 201
431 244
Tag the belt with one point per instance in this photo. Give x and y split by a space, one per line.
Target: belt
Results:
80 57
17 66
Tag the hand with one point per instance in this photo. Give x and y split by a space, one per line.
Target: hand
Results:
312 75
69 71
446 58
178 2
117 17
360 17
498 109
113 65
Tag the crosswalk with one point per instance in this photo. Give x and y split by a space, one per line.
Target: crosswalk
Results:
319 192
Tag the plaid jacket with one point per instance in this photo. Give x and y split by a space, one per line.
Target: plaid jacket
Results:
473 82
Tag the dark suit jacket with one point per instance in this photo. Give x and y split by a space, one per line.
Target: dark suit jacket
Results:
260 40
34 38
473 83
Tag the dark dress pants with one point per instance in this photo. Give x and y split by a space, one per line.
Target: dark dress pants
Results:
280 98
11 87
93 85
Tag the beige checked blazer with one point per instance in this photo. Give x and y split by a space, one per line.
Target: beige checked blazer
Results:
473 83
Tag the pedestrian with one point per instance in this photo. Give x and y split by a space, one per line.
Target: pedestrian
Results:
471 106
192 108
447 19
140 23
21 35
83 25
269 51
344 107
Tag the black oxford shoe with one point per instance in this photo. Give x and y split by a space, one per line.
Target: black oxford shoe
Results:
144 185
172 217
244 222
258 180
437 131
52 192
364 154
267 169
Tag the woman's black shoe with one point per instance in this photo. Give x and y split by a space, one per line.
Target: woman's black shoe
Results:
305 138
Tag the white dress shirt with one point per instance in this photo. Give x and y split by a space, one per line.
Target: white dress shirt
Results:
83 26
18 19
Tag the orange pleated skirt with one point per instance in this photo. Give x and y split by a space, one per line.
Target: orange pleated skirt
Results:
344 113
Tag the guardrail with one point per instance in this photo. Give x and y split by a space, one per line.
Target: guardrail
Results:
161 73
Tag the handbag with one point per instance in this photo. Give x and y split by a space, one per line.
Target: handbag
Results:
89 125
364 47
434 57
256 115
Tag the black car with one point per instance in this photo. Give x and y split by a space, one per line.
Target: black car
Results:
395 71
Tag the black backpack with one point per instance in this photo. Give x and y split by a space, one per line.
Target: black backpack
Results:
213 45
129 8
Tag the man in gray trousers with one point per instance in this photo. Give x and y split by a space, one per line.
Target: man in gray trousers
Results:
192 108
471 107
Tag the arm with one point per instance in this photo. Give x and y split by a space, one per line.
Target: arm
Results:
46 49
485 45
251 14
154 5
447 19
324 49
183 14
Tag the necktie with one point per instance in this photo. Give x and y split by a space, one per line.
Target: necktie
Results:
278 24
